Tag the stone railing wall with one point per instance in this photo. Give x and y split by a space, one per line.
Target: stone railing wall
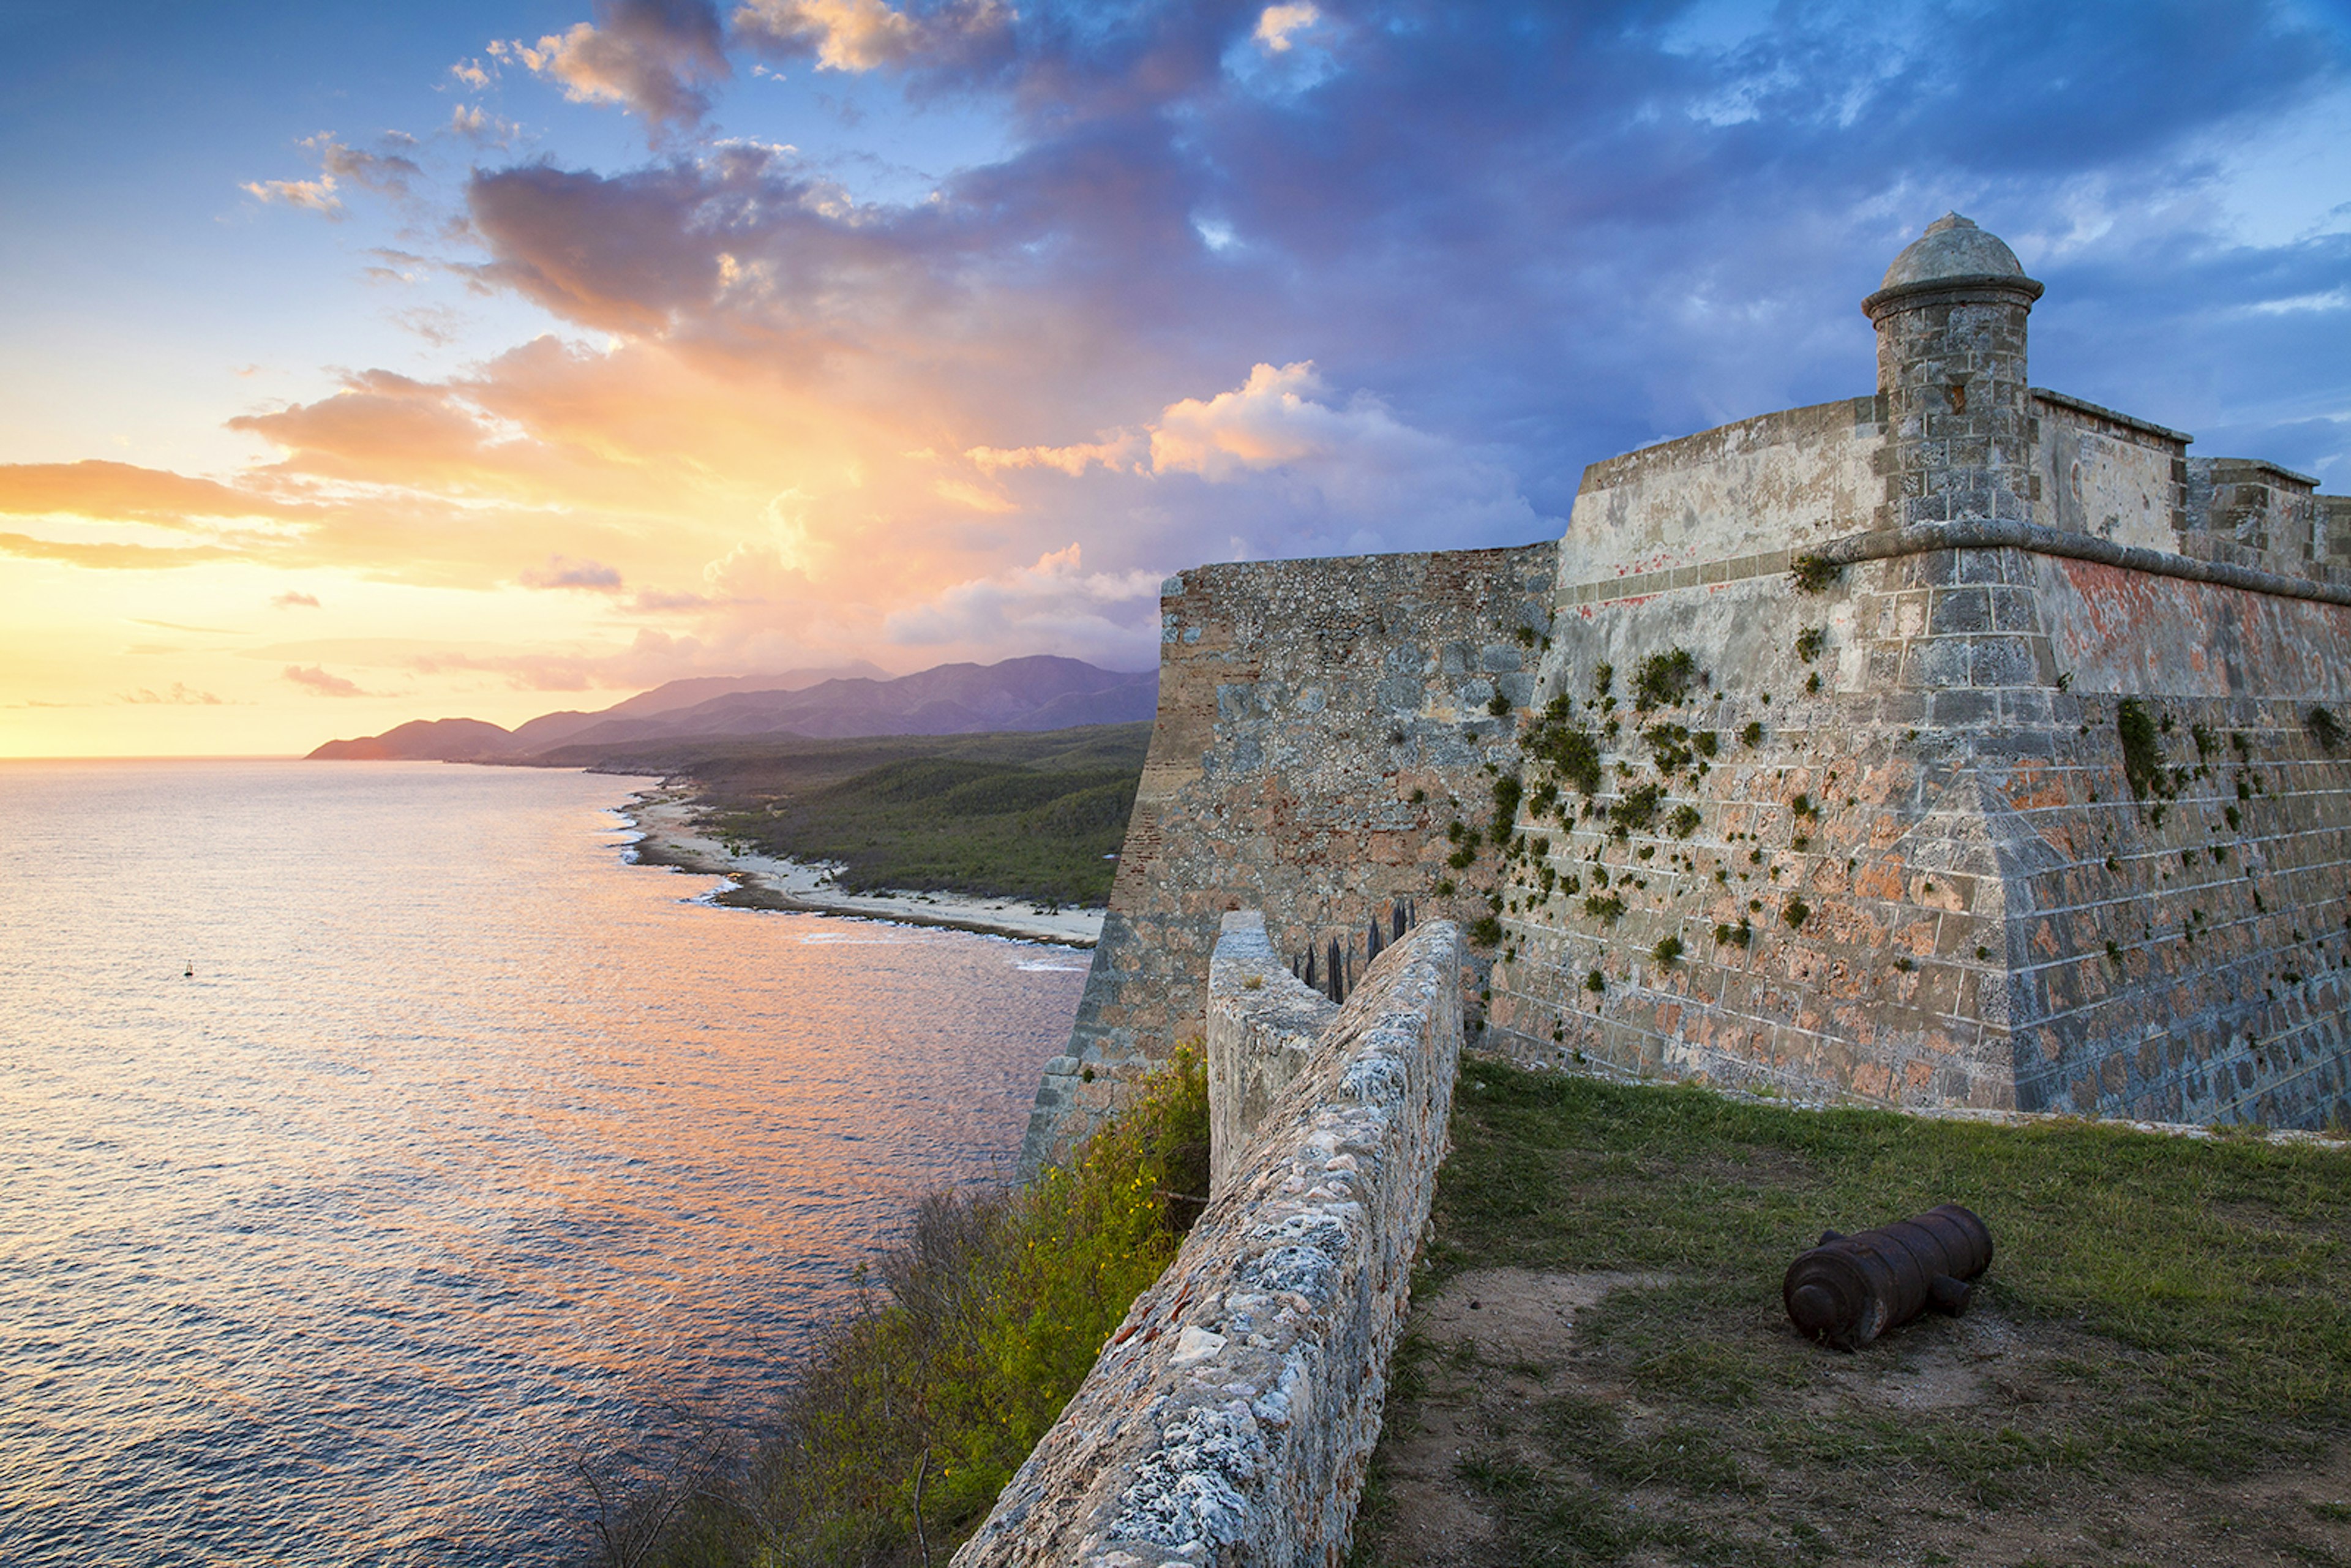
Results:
1232 1415
1265 1025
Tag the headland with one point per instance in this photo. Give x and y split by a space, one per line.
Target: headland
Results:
668 817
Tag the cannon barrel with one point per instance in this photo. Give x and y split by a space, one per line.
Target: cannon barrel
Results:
1850 1289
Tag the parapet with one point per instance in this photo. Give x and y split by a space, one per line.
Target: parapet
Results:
1231 1418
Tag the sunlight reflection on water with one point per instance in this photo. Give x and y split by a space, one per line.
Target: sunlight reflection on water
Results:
464 1142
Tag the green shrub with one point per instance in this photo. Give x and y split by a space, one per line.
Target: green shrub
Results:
1638 808
1664 679
1753 736
2325 728
1605 908
1813 573
2142 755
1808 643
1485 931
1508 791
1556 739
1668 952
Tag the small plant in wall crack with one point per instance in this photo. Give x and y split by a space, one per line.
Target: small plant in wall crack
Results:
1813 573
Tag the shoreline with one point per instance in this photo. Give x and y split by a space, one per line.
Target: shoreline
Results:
662 818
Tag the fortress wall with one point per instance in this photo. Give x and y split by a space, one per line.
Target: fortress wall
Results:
1232 1415
2225 893
1971 848
1845 807
1923 835
1302 704
2103 473
1737 500
2134 633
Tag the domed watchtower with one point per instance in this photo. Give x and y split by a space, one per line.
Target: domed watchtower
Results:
1950 366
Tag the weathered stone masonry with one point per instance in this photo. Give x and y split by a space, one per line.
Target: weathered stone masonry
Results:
1231 1418
1302 704
2030 804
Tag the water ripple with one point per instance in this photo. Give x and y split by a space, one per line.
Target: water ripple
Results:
465 1144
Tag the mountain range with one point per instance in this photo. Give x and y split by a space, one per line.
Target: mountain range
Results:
1037 693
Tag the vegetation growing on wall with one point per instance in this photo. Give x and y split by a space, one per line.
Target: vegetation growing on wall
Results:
2325 729
1565 746
1663 680
1813 573
911 1418
2142 753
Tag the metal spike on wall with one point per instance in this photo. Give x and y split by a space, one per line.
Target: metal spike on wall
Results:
1337 989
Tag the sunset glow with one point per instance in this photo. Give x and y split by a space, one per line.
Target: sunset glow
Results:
369 365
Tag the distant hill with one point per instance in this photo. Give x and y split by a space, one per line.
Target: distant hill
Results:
424 739
1039 692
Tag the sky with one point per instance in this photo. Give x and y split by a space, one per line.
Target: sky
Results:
363 364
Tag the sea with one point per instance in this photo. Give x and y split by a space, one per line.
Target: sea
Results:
387 1164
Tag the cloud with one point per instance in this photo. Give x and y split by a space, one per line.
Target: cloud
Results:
1191 279
387 172
481 127
657 58
1270 421
1053 606
562 571
867 35
317 194
110 556
318 682
1277 24
178 697
125 491
184 626
1349 475
292 599
1125 452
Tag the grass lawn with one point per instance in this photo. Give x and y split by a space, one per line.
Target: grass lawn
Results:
2156 1367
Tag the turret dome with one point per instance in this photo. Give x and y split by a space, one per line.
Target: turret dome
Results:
1953 246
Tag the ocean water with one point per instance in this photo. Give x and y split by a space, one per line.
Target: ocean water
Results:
467 1147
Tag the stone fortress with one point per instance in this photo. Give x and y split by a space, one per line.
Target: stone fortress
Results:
1962 745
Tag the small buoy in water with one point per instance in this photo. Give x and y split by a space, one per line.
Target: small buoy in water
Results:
192 968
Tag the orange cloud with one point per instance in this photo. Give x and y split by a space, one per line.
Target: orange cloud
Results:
122 491
865 35
318 682
656 58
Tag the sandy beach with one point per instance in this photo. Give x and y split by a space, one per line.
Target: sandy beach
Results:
665 819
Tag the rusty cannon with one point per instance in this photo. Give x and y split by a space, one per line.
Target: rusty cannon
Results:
1849 1290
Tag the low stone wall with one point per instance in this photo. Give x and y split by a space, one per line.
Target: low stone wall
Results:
1231 1417
1264 1028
